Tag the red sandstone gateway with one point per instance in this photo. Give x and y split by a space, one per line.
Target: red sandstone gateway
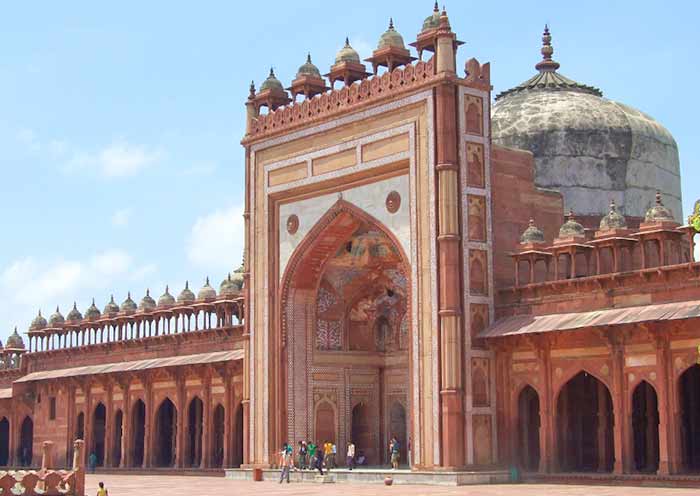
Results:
403 277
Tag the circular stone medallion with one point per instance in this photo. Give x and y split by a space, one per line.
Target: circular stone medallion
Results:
393 202
292 224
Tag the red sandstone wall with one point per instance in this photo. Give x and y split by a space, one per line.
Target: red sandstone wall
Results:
515 201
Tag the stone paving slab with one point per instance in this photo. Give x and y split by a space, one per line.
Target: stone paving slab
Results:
171 485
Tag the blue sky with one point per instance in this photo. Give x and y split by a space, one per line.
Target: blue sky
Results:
120 123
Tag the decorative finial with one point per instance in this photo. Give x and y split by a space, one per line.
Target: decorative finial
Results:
148 292
187 284
391 24
613 207
252 89
207 281
166 289
308 58
272 72
75 306
56 310
436 8
658 197
570 216
40 312
93 300
229 276
547 64
111 299
128 295
531 223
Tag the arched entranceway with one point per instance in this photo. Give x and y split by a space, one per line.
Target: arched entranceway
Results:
689 399
237 458
362 434
80 426
645 428
217 442
529 429
98 434
117 437
585 426
397 428
194 433
166 421
4 442
138 433
26 442
346 290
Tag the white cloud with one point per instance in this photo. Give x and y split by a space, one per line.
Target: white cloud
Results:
119 159
28 138
121 217
216 240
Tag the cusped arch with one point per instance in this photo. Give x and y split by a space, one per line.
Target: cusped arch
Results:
572 374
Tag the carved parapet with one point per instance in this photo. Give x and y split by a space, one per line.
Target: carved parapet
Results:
478 74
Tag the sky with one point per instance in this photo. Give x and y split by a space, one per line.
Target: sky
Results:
120 122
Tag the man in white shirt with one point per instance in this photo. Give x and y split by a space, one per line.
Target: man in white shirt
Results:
351 455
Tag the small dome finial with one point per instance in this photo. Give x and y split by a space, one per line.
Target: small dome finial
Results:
308 58
347 41
391 23
272 72
658 197
252 89
436 8
547 64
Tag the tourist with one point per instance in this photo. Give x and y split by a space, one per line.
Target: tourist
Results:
327 454
302 455
285 463
319 460
408 447
311 452
334 454
395 453
102 491
92 462
351 455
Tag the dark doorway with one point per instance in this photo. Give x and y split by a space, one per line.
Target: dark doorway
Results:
397 428
166 419
26 442
138 433
689 396
98 434
645 428
238 437
585 426
362 435
194 432
4 442
217 442
118 435
529 429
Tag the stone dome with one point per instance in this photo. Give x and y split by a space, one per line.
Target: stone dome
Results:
56 319
147 302
39 322
14 341
237 277
391 37
658 213
111 307
613 220
308 68
347 54
228 287
128 305
166 299
207 292
92 312
571 228
271 82
74 315
186 295
433 20
589 148
532 234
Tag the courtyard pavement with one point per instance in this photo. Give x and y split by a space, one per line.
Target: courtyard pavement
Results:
167 485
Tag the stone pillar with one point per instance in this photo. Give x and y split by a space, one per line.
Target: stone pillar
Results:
602 433
228 415
181 423
87 425
109 421
667 407
206 422
149 421
126 427
619 393
47 460
79 466
547 409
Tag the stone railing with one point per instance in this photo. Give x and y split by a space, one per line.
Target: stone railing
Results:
340 100
47 481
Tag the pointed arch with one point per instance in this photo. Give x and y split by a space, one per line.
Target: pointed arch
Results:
4 442
138 433
645 428
26 442
689 403
99 419
195 412
218 440
165 434
528 428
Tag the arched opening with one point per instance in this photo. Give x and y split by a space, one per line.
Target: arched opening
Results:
480 387
645 428
166 418
237 458
325 423
473 120
138 433
80 426
118 435
347 287
4 442
194 433
362 433
217 444
585 425
529 429
689 396
98 434
397 428
26 442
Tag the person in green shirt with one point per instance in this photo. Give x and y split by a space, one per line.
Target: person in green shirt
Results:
311 447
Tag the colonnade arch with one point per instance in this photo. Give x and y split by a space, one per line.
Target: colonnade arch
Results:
4 442
26 442
99 420
645 428
238 438
138 433
585 419
689 399
529 429
165 434
218 433
195 413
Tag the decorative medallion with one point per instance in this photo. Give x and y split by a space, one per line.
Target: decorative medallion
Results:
558 371
605 370
652 376
393 202
292 224
632 377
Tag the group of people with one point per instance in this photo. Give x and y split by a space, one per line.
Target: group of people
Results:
310 456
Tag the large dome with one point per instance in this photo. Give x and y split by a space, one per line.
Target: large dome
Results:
591 149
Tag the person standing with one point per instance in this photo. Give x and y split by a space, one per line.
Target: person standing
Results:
327 453
311 452
92 462
351 455
334 454
395 453
408 448
319 459
285 463
302 455
101 491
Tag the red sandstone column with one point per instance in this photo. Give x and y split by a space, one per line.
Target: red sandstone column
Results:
109 420
666 406
126 426
206 422
150 422
547 410
619 403
88 420
228 412
449 257
180 421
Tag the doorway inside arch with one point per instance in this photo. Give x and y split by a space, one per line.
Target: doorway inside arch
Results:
585 426
689 398
194 432
217 444
238 438
4 442
26 442
98 434
166 418
138 431
529 429
362 434
645 428
397 430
